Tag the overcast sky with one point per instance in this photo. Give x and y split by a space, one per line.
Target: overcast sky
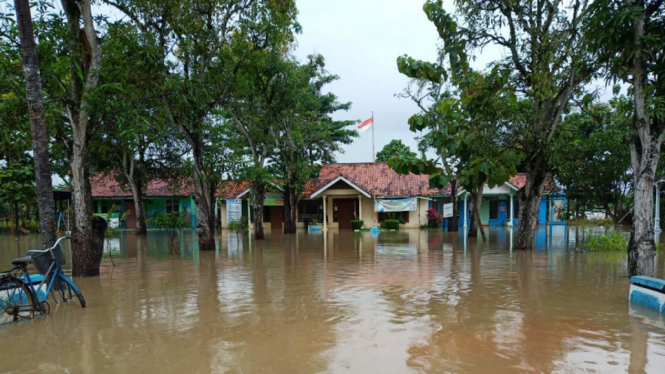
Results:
361 41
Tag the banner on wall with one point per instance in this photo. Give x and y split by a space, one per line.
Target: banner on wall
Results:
233 210
273 201
396 205
447 210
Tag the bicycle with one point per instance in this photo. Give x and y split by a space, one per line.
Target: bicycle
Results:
23 295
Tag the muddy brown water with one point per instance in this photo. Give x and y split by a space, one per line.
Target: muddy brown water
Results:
402 302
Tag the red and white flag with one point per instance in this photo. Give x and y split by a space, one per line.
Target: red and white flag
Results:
366 125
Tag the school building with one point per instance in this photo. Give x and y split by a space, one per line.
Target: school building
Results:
371 192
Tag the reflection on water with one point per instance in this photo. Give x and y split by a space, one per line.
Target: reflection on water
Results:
343 302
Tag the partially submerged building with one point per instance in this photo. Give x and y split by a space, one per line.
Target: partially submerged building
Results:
160 196
371 192
500 205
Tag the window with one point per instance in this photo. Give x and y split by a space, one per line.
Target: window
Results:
105 206
308 210
172 205
384 216
494 209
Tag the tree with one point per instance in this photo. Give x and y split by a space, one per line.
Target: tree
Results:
137 138
596 171
84 52
550 61
466 122
256 117
394 149
306 134
203 50
630 36
40 135
16 165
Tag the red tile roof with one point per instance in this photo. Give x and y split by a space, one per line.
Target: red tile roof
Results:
231 189
106 185
518 180
376 179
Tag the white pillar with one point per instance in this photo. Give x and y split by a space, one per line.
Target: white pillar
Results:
466 208
656 226
360 207
325 213
510 223
249 215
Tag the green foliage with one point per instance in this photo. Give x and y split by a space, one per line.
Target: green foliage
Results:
357 224
305 134
394 149
241 226
390 224
172 222
614 240
595 168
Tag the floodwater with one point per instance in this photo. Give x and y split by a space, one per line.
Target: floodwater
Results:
402 302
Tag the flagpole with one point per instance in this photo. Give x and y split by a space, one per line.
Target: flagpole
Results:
374 161
373 152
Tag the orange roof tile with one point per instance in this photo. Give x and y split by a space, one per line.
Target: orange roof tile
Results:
106 185
376 179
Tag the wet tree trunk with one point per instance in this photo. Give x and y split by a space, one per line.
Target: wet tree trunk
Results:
646 140
290 210
88 263
258 196
204 197
476 224
452 222
84 242
530 197
40 135
134 180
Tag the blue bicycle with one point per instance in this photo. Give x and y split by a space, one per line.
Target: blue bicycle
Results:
23 295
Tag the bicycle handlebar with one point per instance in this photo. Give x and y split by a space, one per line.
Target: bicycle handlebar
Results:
52 248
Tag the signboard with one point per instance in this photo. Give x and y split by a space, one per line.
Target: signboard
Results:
447 210
396 205
274 201
233 210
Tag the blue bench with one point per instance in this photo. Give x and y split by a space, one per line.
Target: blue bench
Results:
648 292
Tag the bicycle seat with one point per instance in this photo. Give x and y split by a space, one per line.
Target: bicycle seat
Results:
22 261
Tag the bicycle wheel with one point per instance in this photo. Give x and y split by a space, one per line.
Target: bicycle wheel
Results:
69 289
16 300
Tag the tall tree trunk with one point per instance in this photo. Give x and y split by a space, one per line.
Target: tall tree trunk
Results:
530 197
258 196
644 153
12 216
452 222
290 210
476 224
133 178
204 197
40 135
86 245
83 236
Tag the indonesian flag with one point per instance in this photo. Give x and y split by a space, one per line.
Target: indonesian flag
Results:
366 125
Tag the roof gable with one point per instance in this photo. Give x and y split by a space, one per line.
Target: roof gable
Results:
375 179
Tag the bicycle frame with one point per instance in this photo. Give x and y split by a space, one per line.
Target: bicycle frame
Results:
54 272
